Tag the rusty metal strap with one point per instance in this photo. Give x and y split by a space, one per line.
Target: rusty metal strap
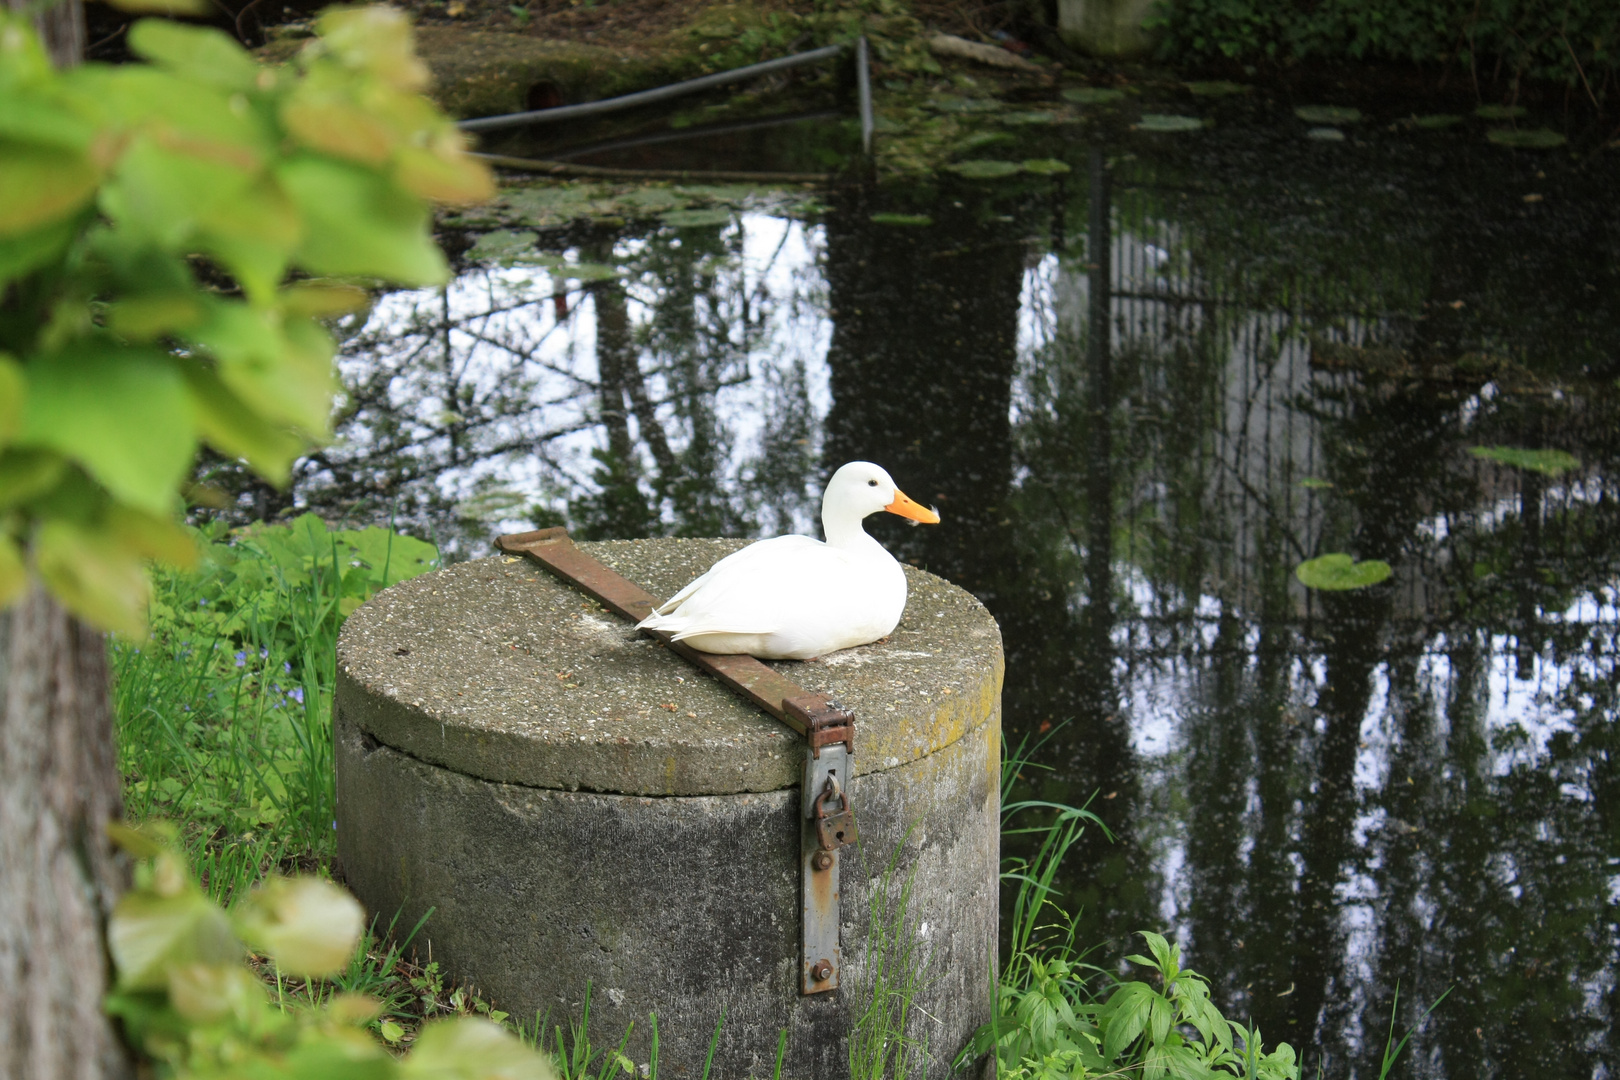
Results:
814 715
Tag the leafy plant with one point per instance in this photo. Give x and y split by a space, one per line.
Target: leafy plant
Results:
153 217
191 1004
1569 43
224 714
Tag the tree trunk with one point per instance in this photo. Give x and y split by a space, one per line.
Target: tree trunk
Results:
59 787
61 28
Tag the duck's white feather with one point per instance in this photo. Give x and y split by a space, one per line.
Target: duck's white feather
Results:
793 597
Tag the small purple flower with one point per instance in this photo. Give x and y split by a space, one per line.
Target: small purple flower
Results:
297 694
241 658
286 665
263 653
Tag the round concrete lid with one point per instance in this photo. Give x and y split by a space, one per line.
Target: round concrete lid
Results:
495 669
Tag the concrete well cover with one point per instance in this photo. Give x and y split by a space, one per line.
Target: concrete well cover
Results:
494 669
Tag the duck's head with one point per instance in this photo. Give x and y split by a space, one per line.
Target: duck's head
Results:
861 488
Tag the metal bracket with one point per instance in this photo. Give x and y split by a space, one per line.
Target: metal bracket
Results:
828 825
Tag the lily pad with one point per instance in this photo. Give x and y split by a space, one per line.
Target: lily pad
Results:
1168 122
1034 117
583 272
980 139
1500 112
503 244
1546 462
1092 95
1526 138
1435 121
1328 114
1216 88
1338 572
1046 167
984 170
951 104
1325 134
912 220
697 219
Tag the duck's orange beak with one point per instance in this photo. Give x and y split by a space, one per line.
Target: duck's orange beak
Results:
906 508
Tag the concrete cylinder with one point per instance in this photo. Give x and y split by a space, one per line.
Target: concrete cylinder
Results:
579 806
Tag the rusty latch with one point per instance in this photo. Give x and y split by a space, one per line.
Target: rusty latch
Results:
835 828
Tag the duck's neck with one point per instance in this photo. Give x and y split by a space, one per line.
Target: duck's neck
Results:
844 531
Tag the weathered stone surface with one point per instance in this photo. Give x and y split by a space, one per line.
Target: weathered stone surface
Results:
472 701
494 669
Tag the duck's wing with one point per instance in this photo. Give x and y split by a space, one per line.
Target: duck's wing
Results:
747 592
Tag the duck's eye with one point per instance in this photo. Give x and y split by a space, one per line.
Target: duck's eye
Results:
871 483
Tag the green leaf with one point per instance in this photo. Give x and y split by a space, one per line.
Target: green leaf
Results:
160 194
984 170
122 413
26 474
1168 122
1328 114
1029 118
93 576
908 220
357 223
203 53
163 7
207 993
1127 1014
1338 572
1216 88
1500 112
1526 138
236 430
1315 483
1046 167
307 925
149 934
279 368
13 393
1546 462
1325 134
391 1031
1436 121
27 251
1092 95
40 184
472 1048
696 219
503 244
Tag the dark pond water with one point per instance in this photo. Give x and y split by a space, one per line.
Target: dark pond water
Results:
1140 394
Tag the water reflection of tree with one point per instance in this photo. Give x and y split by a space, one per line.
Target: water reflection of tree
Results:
511 395
1311 886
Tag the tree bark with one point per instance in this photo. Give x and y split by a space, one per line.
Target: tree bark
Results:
61 28
59 786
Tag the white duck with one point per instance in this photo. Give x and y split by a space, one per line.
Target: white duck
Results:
794 597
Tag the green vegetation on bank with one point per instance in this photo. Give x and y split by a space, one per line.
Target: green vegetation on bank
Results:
1491 44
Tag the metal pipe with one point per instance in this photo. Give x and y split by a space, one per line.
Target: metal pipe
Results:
863 90
693 133
664 93
699 176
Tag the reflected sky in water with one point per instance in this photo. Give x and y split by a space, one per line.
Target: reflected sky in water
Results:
1289 350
